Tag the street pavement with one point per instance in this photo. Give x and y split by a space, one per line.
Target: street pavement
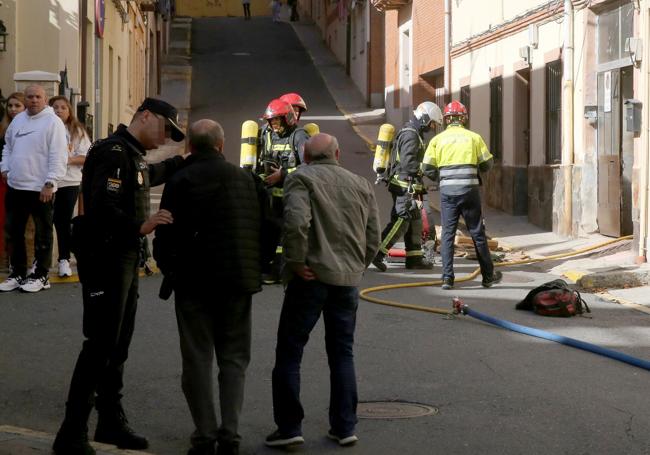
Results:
496 392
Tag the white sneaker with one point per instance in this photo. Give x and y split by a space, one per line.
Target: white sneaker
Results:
64 268
35 283
11 283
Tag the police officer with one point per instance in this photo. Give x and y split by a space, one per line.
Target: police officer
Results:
281 151
406 187
455 157
115 188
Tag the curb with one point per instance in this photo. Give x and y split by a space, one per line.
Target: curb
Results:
26 441
616 279
626 303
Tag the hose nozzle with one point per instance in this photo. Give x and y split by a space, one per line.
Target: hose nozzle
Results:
458 306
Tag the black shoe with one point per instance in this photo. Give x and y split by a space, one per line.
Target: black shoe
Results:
494 279
418 263
231 448
270 278
378 262
447 283
69 442
343 441
113 428
278 439
207 448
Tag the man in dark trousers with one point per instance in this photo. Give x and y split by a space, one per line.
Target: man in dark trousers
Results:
406 186
108 238
331 234
216 238
455 157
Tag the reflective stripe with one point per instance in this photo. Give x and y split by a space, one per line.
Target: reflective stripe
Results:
410 254
277 192
278 249
444 172
403 184
390 236
291 169
465 182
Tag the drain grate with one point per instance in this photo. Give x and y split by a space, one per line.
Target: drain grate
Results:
393 410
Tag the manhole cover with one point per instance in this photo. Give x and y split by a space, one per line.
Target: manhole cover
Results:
393 410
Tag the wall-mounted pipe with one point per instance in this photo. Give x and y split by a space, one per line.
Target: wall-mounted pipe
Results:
566 223
447 69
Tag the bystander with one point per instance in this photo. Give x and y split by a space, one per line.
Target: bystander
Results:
215 238
33 161
331 234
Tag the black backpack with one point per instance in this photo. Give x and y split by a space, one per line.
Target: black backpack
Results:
554 298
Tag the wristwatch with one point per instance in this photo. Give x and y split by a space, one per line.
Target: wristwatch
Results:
49 185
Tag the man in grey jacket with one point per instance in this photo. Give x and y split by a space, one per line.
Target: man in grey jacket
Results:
331 234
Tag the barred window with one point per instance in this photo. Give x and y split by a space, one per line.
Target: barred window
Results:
465 98
496 117
554 112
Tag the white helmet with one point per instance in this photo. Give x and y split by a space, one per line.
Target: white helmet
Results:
428 112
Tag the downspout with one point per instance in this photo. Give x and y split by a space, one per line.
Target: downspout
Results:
447 69
566 223
645 134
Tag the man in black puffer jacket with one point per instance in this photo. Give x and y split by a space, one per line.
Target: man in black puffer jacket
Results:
212 254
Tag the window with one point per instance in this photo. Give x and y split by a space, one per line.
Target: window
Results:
614 27
465 98
554 112
496 117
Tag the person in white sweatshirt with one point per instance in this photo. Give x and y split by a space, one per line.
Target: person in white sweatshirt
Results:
34 158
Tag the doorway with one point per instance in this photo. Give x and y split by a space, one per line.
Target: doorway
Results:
615 153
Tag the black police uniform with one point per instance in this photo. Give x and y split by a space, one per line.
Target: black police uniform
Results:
115 188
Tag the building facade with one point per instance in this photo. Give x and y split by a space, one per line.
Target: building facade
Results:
354 32
106 53
414 50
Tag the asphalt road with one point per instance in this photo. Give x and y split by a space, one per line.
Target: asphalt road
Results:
497 392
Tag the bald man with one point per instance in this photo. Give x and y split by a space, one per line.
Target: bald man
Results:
212 256
34 158
331 234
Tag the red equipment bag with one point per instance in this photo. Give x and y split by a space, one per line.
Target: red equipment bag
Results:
554 298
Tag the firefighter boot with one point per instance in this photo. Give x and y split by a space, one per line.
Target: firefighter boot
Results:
72 438
417 263
378 262
113 428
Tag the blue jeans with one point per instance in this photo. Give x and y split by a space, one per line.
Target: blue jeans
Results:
469 206
303 303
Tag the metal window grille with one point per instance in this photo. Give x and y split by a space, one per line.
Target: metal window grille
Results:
554 112
496 117
465 98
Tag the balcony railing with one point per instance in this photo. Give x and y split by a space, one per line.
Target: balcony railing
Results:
385 5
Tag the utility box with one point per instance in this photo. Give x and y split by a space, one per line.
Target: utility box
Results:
49 81
632 115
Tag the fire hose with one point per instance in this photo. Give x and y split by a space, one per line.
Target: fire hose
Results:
458 307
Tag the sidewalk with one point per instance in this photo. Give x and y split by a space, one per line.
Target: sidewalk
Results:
612 267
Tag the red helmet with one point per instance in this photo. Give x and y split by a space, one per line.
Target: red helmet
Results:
455 108
295 100
279 108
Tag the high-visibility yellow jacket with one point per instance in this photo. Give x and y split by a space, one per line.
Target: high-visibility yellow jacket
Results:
455 156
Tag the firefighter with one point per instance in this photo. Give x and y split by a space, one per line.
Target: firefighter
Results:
406 187
296 101
455 157
280 152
